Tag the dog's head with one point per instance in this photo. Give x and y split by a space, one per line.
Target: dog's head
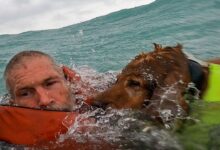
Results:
153 81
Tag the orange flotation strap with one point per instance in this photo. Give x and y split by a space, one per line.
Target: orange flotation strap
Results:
70 75
84 90
30 126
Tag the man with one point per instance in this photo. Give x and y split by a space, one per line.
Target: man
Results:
34 80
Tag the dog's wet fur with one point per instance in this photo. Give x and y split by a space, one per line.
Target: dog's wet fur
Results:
154 82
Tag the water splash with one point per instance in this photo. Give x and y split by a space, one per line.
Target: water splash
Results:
192 93
99 81
125 128
5 99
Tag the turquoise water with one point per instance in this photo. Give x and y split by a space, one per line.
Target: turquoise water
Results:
109 42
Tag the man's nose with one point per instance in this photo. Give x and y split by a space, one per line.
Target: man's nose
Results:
44 97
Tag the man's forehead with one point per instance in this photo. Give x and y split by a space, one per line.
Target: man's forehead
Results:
33 70
26 83
28 79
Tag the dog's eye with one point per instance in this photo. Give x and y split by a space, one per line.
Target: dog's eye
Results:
133 83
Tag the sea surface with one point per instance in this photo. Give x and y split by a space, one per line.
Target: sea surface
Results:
108 43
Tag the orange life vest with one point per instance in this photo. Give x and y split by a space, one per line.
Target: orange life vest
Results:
30 126
40 129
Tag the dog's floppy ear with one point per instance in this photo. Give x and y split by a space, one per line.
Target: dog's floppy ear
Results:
157 47
168 96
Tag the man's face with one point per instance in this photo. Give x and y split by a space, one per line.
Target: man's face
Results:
36 83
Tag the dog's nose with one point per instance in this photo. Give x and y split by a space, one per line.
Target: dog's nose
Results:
99 104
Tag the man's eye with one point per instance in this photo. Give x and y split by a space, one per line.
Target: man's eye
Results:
25 93
50 83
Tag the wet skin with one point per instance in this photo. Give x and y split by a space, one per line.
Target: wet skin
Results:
37 83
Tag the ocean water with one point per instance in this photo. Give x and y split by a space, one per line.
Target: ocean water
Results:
109 42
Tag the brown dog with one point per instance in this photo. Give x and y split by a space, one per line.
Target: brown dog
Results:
156 82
